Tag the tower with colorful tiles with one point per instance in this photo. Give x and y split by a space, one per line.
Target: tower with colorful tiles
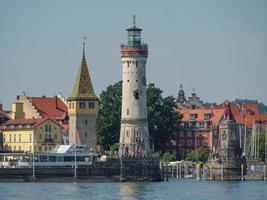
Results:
134 135
83 106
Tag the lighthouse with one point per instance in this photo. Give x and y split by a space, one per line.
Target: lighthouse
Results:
134 134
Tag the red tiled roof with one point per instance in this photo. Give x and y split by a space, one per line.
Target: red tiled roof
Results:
24 123
52 107
216 114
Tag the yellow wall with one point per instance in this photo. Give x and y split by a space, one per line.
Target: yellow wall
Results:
17 111
26 140
74 108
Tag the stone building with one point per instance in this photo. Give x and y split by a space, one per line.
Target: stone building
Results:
83 106
192 102
134 135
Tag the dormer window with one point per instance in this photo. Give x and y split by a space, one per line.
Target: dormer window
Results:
207 116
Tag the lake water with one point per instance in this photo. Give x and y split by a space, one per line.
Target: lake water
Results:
174 189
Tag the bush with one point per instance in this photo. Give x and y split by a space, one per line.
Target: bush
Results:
168 157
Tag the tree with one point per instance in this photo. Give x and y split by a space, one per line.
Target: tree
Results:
114 147
162 118
109 116
201 154
168 157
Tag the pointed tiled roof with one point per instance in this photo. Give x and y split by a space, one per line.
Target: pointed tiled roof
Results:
83 87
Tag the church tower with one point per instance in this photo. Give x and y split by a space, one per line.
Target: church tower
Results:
134 135
83 106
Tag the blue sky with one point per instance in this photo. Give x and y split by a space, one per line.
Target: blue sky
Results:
217 47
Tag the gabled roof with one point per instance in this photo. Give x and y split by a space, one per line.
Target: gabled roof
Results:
83 87
215 114
25 123
51 107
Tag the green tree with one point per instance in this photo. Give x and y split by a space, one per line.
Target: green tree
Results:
162 118
168 157
114 147
109 116
201 154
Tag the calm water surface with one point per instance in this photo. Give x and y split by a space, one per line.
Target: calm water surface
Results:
174 189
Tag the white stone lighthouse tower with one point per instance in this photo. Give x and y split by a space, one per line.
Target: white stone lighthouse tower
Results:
134 135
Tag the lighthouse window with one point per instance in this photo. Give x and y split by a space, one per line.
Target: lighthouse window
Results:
136 95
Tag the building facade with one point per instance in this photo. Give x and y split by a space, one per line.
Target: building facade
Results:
22 135
83 107
134 134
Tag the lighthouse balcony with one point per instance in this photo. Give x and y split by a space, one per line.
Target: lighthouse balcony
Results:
143 48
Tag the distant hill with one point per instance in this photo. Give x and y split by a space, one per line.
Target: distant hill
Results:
262 108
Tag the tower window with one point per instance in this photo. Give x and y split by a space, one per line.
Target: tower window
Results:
82 105
136 95
128 111
91 104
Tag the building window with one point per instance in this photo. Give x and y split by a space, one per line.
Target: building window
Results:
128 81
40 136
69 108
46 148
127 133
136 64
48 128
91 104
15 148
128 64
14 137
181 142
19 148
86 122
189 134
72 105
136 80
207 116
55 136
201 124
85 134
19 137
30 137
40 148
189 142
10 138
4 138
82 105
